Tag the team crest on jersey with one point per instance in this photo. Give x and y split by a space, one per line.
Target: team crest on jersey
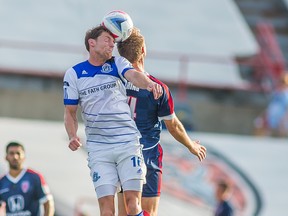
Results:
106 68
25 186
96 177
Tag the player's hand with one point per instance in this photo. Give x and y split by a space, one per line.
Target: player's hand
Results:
74 143
156 89
2 208
198 150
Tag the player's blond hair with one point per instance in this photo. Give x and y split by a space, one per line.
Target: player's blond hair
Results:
131 48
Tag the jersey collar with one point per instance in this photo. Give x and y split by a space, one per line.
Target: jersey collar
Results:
18 178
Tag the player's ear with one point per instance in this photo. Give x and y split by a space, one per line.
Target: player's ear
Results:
143 50
91 42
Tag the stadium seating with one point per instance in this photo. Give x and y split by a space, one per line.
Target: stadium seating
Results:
48 37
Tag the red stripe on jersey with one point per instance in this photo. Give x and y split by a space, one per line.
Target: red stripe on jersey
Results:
43 182
166 89
160 166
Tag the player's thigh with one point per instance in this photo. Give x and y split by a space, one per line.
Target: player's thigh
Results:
131 163
103 171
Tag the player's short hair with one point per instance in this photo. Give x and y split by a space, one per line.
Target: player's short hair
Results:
131 48
94 33
223 185
14 144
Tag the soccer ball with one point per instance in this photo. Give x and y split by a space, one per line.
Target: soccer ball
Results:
119 23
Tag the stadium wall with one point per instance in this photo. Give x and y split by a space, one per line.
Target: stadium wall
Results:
209 110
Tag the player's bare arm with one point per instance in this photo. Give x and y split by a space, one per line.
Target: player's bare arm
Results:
49 209
2 208
177 130
71 126
142 81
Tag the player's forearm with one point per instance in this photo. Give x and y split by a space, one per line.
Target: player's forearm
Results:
138 79
49 209
180 135
177 130
71 124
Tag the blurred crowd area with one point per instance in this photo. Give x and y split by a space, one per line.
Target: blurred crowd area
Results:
273 121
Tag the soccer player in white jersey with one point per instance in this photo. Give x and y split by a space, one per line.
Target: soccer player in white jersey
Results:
148 113
114 150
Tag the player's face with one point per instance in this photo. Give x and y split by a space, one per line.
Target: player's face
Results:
219 192
104 45
15 157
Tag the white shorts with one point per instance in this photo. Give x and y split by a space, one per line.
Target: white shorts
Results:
115 164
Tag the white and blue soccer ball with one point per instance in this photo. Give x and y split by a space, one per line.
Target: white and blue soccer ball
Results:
119 23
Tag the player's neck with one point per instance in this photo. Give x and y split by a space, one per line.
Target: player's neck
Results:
139 66
96 60
14 173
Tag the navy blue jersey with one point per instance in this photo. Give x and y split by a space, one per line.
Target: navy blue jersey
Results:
148 112
224 209
24 194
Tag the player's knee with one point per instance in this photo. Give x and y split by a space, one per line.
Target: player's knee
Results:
132 200
106 209
132 190
107 212
133 211
106 205
149 211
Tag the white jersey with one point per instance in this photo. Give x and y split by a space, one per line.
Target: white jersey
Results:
101 93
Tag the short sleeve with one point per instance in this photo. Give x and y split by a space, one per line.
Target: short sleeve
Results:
70 90
123 65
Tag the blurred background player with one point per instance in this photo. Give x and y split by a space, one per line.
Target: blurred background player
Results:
148 113
274 120
24 190
112 138
222 194
277 109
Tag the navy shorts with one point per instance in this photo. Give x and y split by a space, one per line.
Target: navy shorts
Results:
153 160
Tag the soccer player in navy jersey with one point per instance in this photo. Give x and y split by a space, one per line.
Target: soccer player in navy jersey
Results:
222 194
148 113
112 138
22 189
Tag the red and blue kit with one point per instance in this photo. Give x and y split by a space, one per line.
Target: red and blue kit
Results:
148 113
24 194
